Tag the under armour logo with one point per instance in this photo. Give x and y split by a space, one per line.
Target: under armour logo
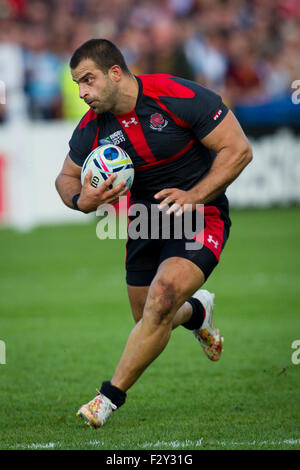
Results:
127 123
211 240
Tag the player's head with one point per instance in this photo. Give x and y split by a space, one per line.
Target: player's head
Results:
98 66
101 51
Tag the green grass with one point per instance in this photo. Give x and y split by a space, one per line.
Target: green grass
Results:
65 319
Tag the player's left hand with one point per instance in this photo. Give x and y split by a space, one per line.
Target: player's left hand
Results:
181 201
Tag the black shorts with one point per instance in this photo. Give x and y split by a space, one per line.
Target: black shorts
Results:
143 256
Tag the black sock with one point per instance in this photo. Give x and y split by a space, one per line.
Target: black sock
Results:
198 315
116 395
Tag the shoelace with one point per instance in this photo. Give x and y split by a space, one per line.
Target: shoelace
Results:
103 402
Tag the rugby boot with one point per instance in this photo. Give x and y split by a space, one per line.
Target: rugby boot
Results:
208 335
97 411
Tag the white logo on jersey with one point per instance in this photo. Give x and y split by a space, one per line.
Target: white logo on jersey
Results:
217 114
117 137
211 240
127 123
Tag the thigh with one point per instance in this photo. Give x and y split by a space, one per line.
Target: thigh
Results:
177 273
137 297
142 260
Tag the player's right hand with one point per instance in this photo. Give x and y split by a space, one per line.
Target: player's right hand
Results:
90 198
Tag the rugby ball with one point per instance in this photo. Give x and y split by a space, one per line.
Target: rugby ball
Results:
105 161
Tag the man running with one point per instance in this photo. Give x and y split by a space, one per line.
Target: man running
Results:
186 147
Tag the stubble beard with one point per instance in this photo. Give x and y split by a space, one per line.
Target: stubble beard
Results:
108 102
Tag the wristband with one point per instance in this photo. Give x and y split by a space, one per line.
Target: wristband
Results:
74 201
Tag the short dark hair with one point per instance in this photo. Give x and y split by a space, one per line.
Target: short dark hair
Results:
103 52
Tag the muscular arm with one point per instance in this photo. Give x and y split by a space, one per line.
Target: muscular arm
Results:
68 184
233 155
68 181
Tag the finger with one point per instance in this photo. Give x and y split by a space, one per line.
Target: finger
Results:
120 197
114 193
88 177
113 199
173 208
184 208
111 178
163 193
118 188
179 212
124 191
166 202
105 186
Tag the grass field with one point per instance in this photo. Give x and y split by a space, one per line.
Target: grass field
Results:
65 319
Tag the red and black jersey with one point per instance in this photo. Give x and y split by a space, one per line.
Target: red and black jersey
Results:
161 135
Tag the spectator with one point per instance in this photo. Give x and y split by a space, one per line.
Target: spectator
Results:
42 68
243 82
207 58
12 72
276 76
167 53
246 50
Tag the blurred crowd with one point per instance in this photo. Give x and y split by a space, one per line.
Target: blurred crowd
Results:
246 50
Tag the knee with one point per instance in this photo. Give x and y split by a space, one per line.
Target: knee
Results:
161 302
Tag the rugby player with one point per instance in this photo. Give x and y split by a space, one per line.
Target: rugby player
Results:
186 147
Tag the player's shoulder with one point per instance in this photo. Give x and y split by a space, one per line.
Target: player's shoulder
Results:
165 85
89 118
86 127
83 137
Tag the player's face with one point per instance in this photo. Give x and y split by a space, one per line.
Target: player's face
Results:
97 89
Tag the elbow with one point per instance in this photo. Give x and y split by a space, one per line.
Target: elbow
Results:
57 185
248 154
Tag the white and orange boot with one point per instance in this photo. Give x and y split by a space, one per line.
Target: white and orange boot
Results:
208 335
97 411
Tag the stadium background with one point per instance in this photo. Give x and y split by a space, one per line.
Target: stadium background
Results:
246 50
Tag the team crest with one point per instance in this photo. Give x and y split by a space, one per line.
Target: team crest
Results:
157 122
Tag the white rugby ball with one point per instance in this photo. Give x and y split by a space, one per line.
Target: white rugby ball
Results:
107 160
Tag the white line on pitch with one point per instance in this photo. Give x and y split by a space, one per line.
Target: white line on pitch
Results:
199 443
49 445
171 444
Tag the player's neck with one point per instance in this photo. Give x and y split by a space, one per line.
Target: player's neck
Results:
127 97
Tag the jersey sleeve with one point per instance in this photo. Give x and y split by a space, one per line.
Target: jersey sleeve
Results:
82 140
203 110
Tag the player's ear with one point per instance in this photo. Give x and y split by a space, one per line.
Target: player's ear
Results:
115 73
